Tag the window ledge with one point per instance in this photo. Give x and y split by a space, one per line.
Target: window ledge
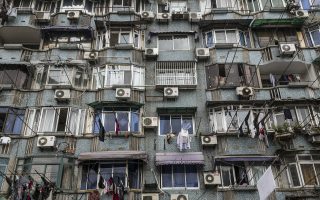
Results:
297 189
238 188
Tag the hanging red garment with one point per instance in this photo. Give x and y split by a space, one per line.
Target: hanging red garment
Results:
115 197
94 195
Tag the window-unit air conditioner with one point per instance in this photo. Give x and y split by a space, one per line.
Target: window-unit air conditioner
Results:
5 140
315 139
46 141
90 55
151 52
202 53
42 16
123 93
171 92
301 13
195 16
287 49
244 91
147 15
163 16
179 197
73 14
209 140
150 196
211 178
150 121
62 94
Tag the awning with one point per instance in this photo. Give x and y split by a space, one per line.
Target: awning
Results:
226 159
113 104
107 155
191 158
180 110
171 32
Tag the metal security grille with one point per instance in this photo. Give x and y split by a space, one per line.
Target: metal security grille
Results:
176 73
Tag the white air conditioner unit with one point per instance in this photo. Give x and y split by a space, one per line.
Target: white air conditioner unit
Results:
90 55
150 196
163 16
42 16
195 16
150 121
151 52
73 14
315 139
147 15
5 140
202 53
62 94
171 92
211 178
123 93
209 140
287 49
179 197
301 13
46 141
244 91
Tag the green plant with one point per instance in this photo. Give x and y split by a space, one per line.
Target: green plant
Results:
282 129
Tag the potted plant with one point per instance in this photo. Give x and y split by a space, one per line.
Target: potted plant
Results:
283 131
297 128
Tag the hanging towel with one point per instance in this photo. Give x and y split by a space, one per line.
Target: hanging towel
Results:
272 80
183 140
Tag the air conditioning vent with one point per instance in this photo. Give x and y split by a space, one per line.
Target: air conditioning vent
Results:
209 140
244 91
211 178
123 93
287 49
42 16
171 92
5 140
73 14
202 53
151 52
163 16
62 95
150 196
150 121
301 13
179 197
195 16
90 55
147 15
46 141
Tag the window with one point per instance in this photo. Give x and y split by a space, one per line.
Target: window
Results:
71 38
73 3
32 122
172 123
126 173
14 76
314 36
67 75
227 36
272 3
11 120
222 3
128 119
176 42
49 5
279 117
3 168
179 176
309 4
22 3
178 6
100 7
272 37
69 120
118 75
120 36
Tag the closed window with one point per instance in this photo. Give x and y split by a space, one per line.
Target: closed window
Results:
11 120
178 6
227 36
265 37
309 4
22 3
14 76
120 36
73 2
173 123
179 176
314 36
77 77
176 42
3 168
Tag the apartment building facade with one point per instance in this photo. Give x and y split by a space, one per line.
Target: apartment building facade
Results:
161 99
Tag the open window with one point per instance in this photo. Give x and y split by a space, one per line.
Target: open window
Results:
227 36
172 123
15 76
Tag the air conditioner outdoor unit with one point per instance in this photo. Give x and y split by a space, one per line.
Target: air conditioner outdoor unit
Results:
211 178
301 13
73 14
195 16
163 16
46 141
315 139
171 92
147 15
244 91
90 55
179 197
150 121
151 52
5 140
209 140
42 16
62 94
202 53
287 49
123 93
150 196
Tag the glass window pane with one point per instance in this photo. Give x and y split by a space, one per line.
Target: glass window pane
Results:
316 37
54 77
119 174
92 177
294 175
62 119
176 124
308 174
181 42
134 175
106 171
231 37
166 175
191 176
125 38
123 120
114 37
178 176
226 175
165 125
220 37
109 122
165 43
209 39
188 120
134 121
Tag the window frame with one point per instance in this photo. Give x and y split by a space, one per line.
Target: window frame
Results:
175 115
172 40
4 163
15 112
237 34
313 29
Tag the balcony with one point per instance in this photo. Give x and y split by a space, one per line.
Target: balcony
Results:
20 29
